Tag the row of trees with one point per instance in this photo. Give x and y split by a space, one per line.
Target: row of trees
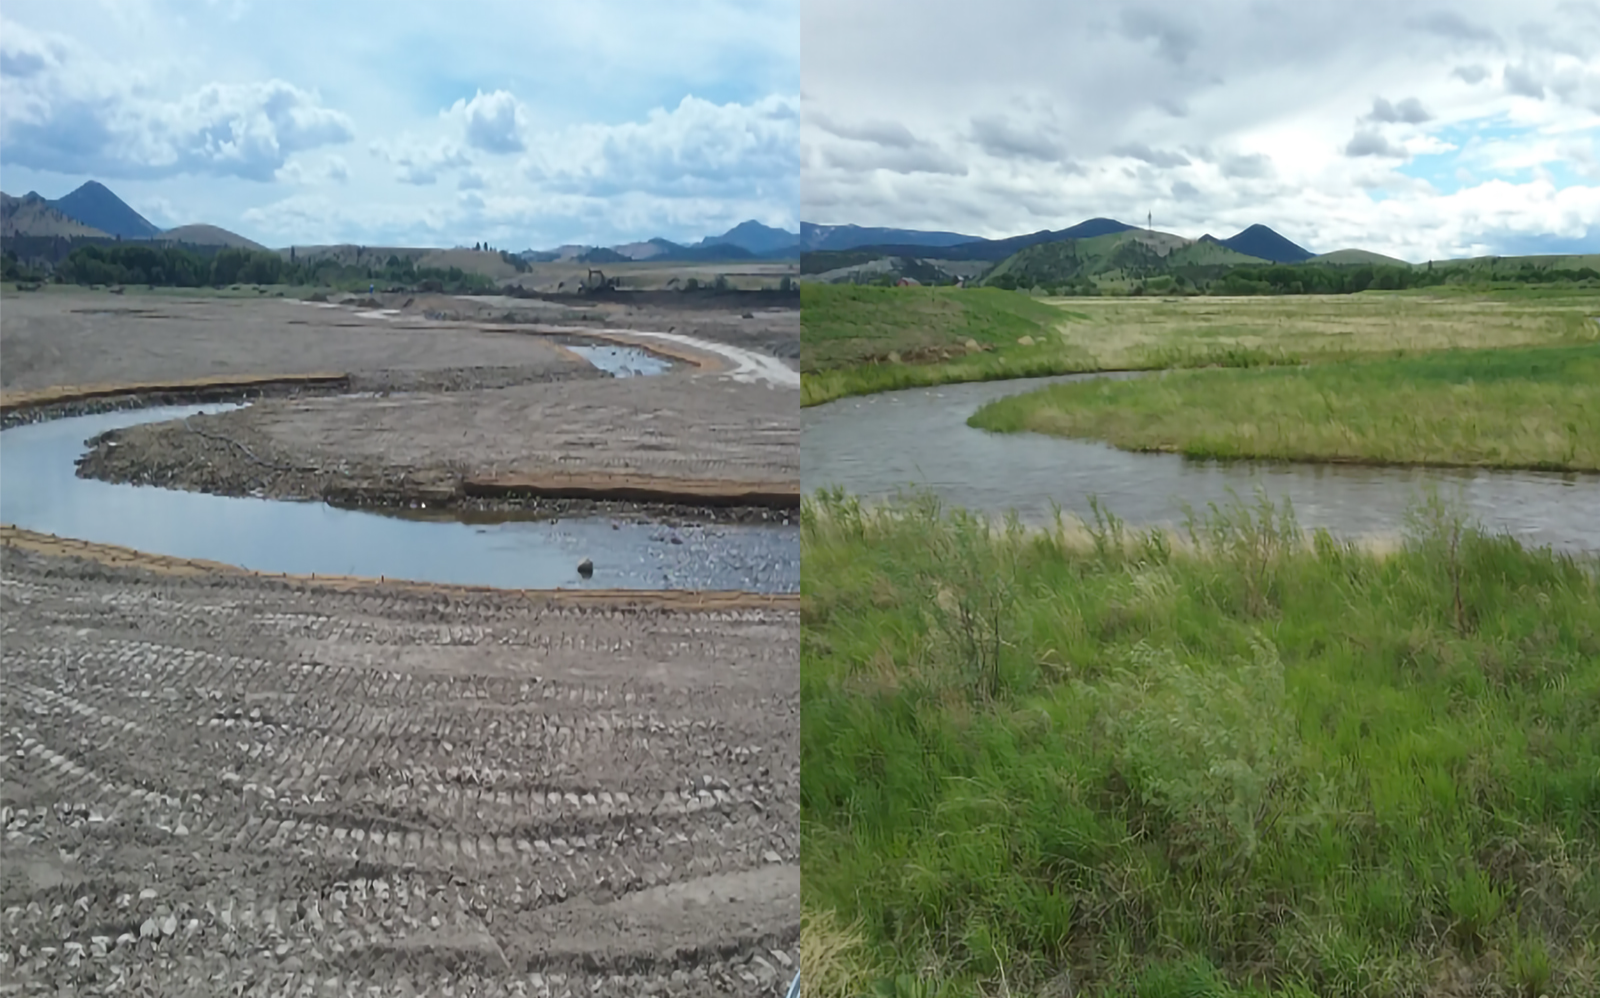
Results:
1316 279
172 266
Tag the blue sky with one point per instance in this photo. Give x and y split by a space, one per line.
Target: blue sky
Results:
524 124
1424 130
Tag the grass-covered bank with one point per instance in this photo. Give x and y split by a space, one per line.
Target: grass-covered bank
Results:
1233 763
860 340
1533 407
856 340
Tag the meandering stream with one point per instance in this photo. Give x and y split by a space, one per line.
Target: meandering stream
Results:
40 490
875 445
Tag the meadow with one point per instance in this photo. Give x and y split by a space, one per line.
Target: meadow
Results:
858 340
1229 760
1515 407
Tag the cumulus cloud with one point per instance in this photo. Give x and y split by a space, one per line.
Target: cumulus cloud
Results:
1473 74
696 148
420 162
63 113
1370 143
330 170
493 122
1409 111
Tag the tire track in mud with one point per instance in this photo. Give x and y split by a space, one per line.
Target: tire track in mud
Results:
234 788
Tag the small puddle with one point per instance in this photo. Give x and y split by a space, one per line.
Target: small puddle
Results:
623 362
40 490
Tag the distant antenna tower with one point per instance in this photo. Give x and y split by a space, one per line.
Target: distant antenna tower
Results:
1147 224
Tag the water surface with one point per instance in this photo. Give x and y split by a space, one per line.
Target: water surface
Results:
39 490
876 445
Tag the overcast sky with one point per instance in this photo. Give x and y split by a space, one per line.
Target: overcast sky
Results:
1422 131
425 123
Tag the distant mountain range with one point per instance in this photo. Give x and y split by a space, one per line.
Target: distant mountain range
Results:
93 211
749 240
1257 241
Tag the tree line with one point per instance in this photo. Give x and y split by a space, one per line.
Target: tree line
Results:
173 266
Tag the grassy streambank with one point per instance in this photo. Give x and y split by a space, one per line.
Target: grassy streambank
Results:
1237 762
857 340
1509 408
860 340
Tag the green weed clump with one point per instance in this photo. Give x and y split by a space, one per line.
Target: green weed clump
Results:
1230 759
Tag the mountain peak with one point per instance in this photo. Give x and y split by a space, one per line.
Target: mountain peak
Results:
1262 242
94 205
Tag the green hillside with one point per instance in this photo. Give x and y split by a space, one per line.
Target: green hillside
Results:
1358 257
1118 257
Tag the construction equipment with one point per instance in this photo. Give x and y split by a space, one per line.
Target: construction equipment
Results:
597 282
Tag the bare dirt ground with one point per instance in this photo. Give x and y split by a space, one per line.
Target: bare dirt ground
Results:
490 395
436 445
81 338
215 783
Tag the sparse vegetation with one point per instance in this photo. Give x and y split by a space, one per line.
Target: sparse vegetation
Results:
1535 407
1233 760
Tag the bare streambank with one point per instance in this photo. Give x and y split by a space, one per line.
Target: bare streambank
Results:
656 447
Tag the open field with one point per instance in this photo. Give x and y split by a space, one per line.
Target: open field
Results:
1527 407
212 783
849 333
83 337
1093 762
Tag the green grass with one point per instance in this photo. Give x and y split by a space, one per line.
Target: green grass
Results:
1233 761
850 335
1535 407
857 340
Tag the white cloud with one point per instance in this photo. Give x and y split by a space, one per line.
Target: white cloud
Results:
63 111
1310 118
420 161
697 148
227 112
492 122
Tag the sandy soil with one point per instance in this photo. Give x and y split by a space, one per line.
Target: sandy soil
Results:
213 783
433 446
490 396
73 338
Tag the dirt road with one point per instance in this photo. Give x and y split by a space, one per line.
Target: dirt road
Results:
217 783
